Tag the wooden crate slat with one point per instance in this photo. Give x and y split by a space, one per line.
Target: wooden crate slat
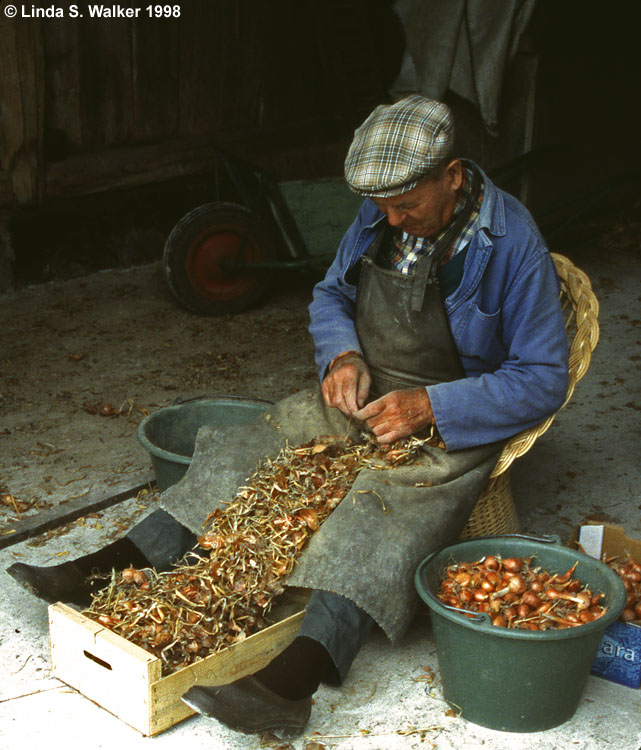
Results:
239 660
127 681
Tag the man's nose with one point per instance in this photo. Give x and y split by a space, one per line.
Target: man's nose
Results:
394 216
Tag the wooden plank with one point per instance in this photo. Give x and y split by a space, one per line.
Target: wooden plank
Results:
63 82
106 82
132 166
129 166
6 189
155 79
22 107
203 37
103 498
220 64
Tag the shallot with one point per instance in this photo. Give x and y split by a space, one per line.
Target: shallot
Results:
630 573
517 594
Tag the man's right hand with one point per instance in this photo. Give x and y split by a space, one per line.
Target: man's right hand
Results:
346 386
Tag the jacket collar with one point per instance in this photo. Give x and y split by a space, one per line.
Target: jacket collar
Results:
492 214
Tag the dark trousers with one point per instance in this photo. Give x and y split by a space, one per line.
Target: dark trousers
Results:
338 625
332 620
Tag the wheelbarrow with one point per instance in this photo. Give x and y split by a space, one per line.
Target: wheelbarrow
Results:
221 257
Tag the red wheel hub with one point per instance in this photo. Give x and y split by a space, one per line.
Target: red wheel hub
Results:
204 261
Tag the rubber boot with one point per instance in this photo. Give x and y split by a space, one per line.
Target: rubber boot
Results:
75 581
277 699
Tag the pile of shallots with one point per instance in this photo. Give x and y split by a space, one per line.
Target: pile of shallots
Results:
516 594
630 573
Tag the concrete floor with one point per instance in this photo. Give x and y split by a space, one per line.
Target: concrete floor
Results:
586 465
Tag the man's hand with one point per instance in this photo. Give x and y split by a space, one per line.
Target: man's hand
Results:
397 414
347 385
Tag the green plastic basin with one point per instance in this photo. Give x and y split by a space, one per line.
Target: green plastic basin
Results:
511 679
169 434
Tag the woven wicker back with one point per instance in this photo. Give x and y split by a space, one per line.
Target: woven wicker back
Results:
582 310
495 511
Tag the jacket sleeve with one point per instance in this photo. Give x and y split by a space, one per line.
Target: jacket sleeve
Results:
333 304
531 382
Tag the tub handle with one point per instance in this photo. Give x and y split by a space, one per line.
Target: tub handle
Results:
544 538
482 618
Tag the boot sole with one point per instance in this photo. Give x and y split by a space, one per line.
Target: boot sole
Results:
20 577
279 729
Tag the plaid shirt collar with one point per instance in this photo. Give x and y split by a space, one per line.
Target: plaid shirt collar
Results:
407 249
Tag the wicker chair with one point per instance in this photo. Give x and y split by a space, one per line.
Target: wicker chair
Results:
495 513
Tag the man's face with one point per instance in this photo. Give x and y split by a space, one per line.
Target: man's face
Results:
424 210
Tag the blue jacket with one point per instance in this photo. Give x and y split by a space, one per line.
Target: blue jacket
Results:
505 317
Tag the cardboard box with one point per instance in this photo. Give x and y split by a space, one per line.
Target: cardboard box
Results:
619 656
126 680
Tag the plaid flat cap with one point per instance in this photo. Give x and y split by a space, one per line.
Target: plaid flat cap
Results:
397 145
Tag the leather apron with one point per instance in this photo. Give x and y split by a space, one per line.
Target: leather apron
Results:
401 321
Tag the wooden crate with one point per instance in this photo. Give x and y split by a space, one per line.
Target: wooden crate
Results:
126 680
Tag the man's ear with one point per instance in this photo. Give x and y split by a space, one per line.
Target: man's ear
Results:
454 172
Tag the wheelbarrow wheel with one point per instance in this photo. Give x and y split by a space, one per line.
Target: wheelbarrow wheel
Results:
198 250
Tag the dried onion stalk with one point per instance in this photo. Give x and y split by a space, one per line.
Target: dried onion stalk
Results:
208 602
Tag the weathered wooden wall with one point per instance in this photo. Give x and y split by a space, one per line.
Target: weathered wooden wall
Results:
98 113
87 104
21 111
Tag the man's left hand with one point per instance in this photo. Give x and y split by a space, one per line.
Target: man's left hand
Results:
397 414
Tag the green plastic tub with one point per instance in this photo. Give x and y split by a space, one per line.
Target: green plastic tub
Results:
510 679
169 434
